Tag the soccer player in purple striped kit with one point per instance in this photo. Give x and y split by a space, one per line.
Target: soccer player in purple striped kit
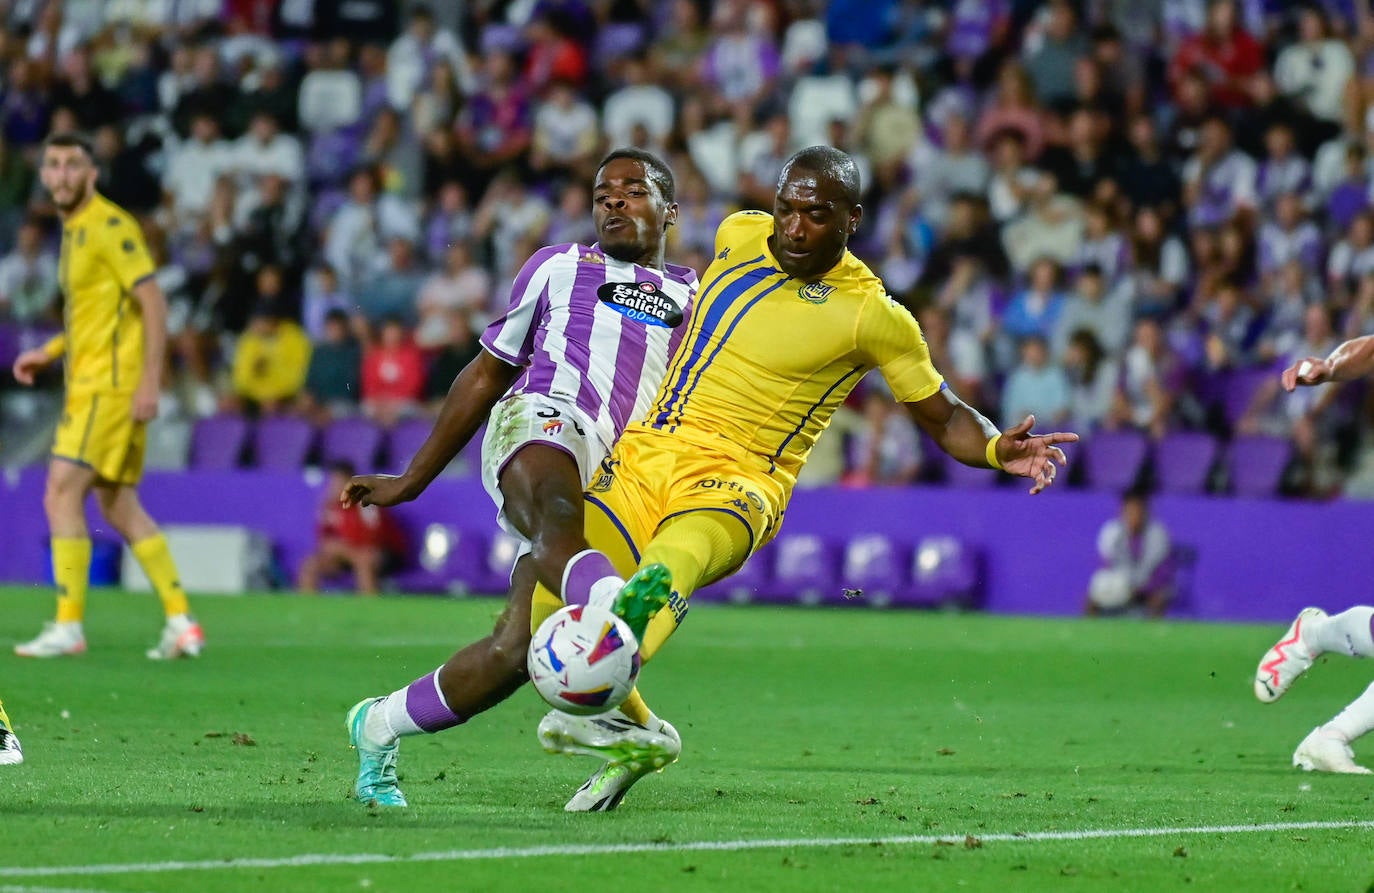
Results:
577 356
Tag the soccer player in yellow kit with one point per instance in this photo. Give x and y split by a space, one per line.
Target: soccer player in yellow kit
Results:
115 332
11 754
786 323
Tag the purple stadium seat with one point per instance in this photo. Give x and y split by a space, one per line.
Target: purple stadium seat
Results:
404 441
876 567
281 443
1239 389
1183 461
1112 459
217 442
805 570
449 560
355 439
945 570
1256 463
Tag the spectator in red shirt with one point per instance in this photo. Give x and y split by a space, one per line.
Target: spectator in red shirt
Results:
364 540
393 375
552 57
1223 53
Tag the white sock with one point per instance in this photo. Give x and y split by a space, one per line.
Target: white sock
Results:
1356 719
604 591
1345 633
389 720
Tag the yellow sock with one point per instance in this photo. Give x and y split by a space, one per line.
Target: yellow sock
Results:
698 548
156 560
71 570
4 717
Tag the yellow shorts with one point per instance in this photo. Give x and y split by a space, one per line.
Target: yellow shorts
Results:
99 431
653 477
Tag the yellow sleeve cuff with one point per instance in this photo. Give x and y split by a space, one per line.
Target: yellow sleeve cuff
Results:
55 346
991 453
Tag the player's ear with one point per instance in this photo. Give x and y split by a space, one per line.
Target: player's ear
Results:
670 215
856 214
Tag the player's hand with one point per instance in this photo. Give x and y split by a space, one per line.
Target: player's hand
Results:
29 363
375 489
1310 371
145 402
1033 456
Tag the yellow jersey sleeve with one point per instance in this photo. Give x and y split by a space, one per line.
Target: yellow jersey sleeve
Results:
890 339
733 228
124 251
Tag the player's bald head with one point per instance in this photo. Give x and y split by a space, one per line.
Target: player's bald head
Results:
833 170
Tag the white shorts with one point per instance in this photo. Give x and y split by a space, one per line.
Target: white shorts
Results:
536 418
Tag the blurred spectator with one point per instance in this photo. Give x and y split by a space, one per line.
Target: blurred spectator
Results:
363 540
199 91
551 56
740 65
193 166
333 382
1103 244
413 57
1349 196
1083 160
458 348
1091 376
1289 236
1103 312
393 375
81 91
1150 382
365 222
1316 69
1051 65
124 177
1283 170
675 55
28 278
1223 53
1351 258
1159 264
265 151
271 360
23 108
1136 570
494 127
323 296
888 128
566 135
1052 227
570 222
393 287
1011 182
330 95
450 222
1036 386
390 149
762 154
957 166
1230 329
462 286
1013 107
1218 181
638 101
886 449
1147 177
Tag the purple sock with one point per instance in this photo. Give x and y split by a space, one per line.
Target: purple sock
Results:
425 705
584 569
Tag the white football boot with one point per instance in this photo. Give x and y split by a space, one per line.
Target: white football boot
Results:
11 754
1287 660
181 637
1323 751
56 640
631 751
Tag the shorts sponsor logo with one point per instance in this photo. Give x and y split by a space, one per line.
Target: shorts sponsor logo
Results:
642 302
739 505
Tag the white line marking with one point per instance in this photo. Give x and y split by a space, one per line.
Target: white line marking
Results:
13 888
616 849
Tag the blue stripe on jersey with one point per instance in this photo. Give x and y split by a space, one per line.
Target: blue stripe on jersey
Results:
717 309
772 464
687 395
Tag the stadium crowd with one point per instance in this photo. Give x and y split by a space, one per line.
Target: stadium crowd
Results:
1112 213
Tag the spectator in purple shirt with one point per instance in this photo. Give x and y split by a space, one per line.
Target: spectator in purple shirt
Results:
1283 169
1351 195
741 64
495 128
1289 236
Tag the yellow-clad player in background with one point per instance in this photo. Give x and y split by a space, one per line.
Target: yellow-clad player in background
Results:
115 332
786 323
11 754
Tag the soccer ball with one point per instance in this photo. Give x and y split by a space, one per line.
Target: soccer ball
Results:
584 660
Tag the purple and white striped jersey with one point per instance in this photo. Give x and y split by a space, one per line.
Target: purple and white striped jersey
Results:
592 329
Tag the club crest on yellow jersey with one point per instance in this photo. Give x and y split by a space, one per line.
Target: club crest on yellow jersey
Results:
815 292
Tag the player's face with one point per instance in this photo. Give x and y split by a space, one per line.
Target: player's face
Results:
629 211
68 175
812 223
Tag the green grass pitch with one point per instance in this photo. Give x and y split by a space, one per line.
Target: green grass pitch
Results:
824 750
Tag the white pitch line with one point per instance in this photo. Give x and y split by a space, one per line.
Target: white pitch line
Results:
14 888
612 849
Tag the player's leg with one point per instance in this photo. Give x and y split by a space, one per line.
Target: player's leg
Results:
181 635
11 754
64 498
541 487
1327 748
477 678
1312 634
367 569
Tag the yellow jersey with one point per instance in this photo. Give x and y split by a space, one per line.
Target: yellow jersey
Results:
103 257
767 358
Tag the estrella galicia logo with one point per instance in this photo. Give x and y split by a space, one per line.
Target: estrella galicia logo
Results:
815 292
642 302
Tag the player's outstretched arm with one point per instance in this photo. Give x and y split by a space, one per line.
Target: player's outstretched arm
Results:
470 399
153 305
1351 360
964 433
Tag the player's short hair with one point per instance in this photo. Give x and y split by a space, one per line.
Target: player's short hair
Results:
656 168
829 162
67 139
